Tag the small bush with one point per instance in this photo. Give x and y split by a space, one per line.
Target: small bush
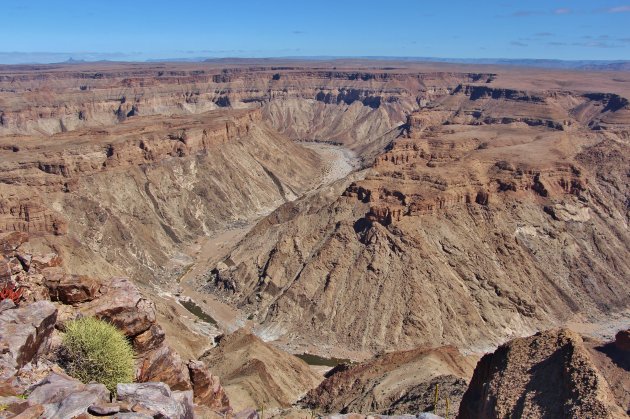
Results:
95 351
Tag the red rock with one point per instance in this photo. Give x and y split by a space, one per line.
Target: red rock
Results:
164 364
122 304
207 388
149 339
10 242
70 289
33 412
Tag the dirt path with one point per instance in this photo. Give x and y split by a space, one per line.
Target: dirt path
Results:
208 251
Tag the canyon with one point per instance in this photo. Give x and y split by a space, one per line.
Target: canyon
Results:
409 217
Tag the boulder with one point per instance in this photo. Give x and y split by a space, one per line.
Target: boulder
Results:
48 260
122 304
33 412
53 389
70 289
25 333
65 397
164 364
149 339
77 403
207 388
157 398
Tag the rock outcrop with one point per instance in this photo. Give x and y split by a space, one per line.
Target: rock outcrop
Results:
254 373
550 374
25 334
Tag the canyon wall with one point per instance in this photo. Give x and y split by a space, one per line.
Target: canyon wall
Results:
469 228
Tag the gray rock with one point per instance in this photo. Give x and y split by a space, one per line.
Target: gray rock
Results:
65 397
158 398
6 304
77 403
132 415
185 399
25 333
53 389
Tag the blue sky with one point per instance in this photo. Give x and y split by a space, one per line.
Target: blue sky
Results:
140 29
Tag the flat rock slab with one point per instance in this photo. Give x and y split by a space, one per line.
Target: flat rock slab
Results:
158 398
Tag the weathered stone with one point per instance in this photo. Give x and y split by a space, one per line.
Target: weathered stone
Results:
548 375
149 339
15 266
53 389
122 304
158 398
6 304
77 403
49 260
26 332
164 364
207 388
66 397
70 289
25 259
185 399
14 405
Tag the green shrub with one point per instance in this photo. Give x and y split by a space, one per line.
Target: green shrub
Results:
95 351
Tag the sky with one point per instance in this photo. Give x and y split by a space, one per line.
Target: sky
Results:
55 30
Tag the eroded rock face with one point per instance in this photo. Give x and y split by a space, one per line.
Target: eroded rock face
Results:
207 388
24 335
463 214
550 374
164 364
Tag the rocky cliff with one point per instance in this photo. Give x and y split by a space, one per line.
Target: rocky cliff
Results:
550 374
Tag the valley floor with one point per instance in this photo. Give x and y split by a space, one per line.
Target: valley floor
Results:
206 252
